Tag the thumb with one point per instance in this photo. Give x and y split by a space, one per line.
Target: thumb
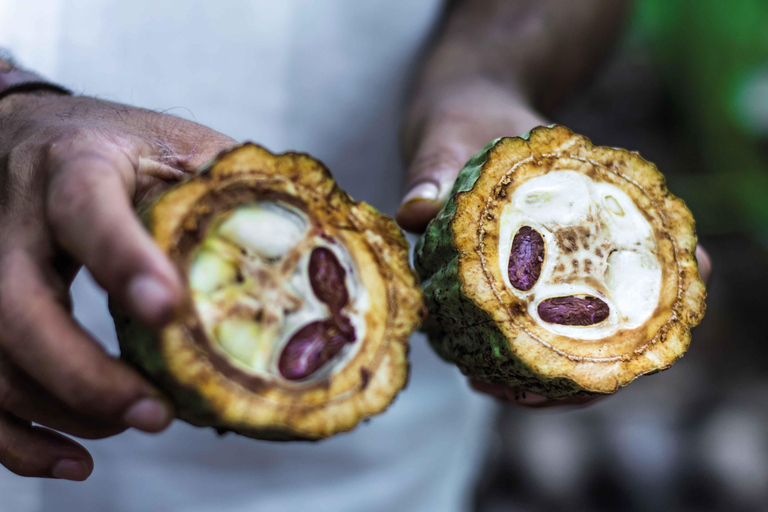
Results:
445 143
438 159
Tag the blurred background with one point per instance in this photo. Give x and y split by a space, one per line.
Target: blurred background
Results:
688 89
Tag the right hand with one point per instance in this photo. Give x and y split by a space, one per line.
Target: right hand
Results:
437 141
71 171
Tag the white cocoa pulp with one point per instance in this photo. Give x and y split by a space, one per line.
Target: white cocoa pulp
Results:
251 288
597 243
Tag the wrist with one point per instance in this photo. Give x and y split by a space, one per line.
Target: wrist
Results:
15 80
16 83
480 108
21 92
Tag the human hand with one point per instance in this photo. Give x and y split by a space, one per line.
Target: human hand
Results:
440 134
72 169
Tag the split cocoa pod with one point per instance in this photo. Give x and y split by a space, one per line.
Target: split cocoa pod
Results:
560 268
299 300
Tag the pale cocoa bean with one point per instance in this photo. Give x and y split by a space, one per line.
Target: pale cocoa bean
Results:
573 310
526 258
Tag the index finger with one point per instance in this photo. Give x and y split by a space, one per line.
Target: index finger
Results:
91 217
439 145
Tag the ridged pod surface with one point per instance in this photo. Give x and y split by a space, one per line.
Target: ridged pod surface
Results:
560 268
299 304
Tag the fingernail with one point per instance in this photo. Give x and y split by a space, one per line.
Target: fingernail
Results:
151 298
425 191
71 469
148 414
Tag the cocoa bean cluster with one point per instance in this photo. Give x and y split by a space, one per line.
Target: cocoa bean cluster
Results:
315 344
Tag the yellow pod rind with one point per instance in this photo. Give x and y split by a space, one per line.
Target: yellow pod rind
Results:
176 358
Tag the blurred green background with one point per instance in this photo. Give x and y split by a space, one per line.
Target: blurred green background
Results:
711 57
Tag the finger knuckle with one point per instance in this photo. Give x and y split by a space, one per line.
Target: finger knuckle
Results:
21 159
89 394
9 458
5 445
109 257
69 197
68 143
14 455
187 146
18 463
82 398
6 394
204 151
15 308
10 398
79 390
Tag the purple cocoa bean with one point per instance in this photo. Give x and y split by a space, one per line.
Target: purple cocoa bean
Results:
526 258
313 346
326 276
573 310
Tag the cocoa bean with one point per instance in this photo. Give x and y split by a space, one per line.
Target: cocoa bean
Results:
326 276
573 310
526 258
313 346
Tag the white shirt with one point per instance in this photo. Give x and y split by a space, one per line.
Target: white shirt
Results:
326 77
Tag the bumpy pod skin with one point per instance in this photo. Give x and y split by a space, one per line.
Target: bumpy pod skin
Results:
178 358
488 329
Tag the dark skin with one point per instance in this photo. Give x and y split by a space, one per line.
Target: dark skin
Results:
73 168
495 67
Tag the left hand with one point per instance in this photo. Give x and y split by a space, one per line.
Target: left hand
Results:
441 132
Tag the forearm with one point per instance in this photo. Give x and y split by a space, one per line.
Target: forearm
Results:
494 67
529 51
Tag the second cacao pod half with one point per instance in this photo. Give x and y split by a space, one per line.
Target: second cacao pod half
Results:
560 268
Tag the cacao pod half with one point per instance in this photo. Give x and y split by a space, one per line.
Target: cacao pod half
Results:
299 300
560 268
